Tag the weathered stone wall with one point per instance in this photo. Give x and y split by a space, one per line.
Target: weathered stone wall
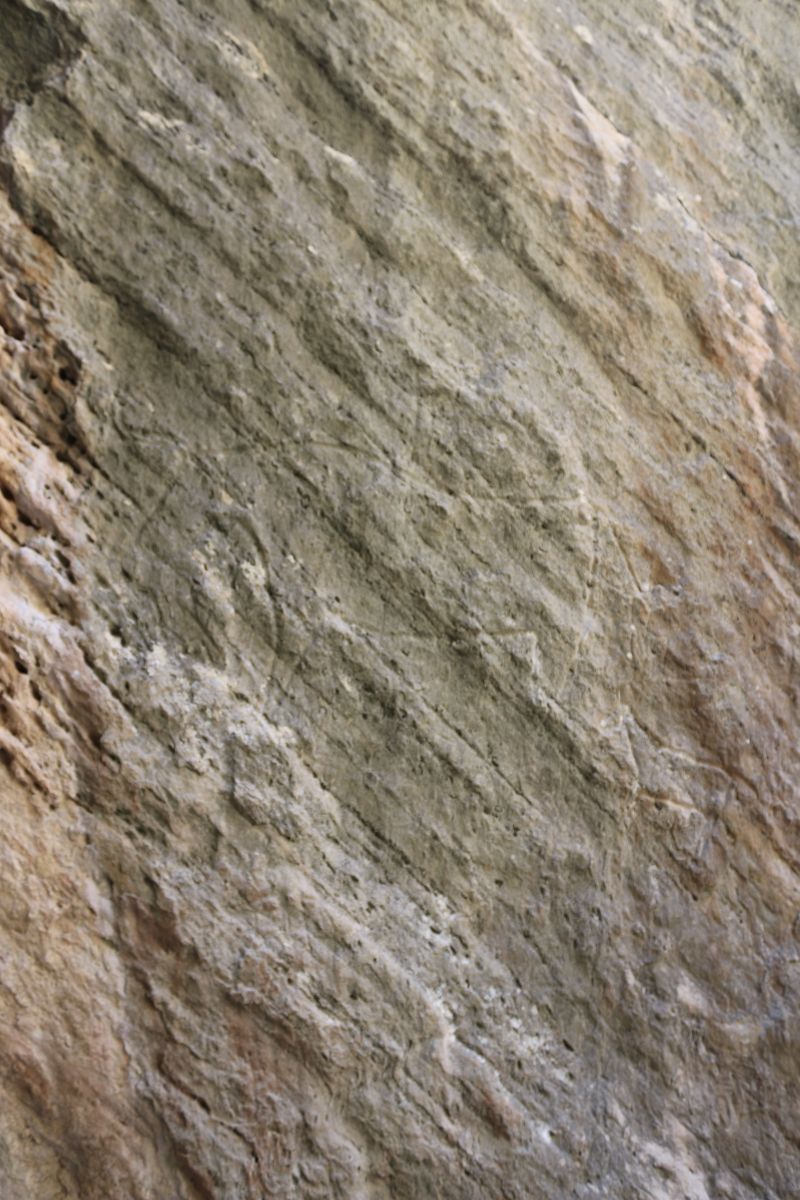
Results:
399 600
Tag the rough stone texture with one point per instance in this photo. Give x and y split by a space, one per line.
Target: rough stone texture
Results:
399 600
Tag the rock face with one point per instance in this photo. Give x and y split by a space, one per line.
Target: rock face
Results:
399 600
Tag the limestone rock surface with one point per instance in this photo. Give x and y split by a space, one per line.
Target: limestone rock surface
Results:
399 600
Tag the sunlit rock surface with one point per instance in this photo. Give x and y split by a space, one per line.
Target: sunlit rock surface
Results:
399 609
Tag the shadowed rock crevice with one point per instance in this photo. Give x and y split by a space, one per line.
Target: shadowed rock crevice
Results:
39 43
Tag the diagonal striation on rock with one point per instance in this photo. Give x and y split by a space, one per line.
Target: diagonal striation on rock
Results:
399 599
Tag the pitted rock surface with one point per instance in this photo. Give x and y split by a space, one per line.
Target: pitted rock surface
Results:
399 600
